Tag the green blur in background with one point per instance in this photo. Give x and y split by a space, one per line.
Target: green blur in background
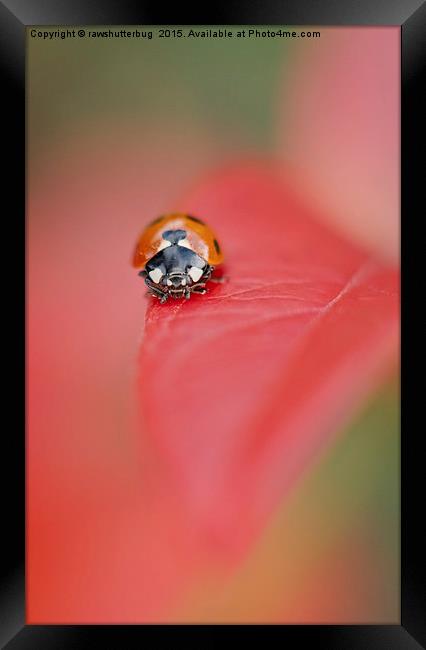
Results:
228 85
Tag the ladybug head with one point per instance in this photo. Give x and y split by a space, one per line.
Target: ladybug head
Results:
175 271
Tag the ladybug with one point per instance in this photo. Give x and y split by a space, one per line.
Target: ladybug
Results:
177 254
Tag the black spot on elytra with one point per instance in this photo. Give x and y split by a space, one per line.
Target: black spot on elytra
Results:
216 245
196 219
174 236
157 220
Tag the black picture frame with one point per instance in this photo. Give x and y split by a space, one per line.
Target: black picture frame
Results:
15 16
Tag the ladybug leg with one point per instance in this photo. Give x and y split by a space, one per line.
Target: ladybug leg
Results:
199 288
208 273
219 279
153 290
158 294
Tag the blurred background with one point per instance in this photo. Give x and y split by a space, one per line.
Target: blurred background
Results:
117 130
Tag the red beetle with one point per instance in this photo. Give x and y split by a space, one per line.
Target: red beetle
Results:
178 254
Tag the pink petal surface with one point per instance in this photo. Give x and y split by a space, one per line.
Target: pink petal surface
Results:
242 387
238 389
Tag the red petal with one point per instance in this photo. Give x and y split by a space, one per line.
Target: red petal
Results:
242 387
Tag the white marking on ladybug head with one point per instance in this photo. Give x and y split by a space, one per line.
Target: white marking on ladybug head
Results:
156 275
164 244
185 243
195 273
